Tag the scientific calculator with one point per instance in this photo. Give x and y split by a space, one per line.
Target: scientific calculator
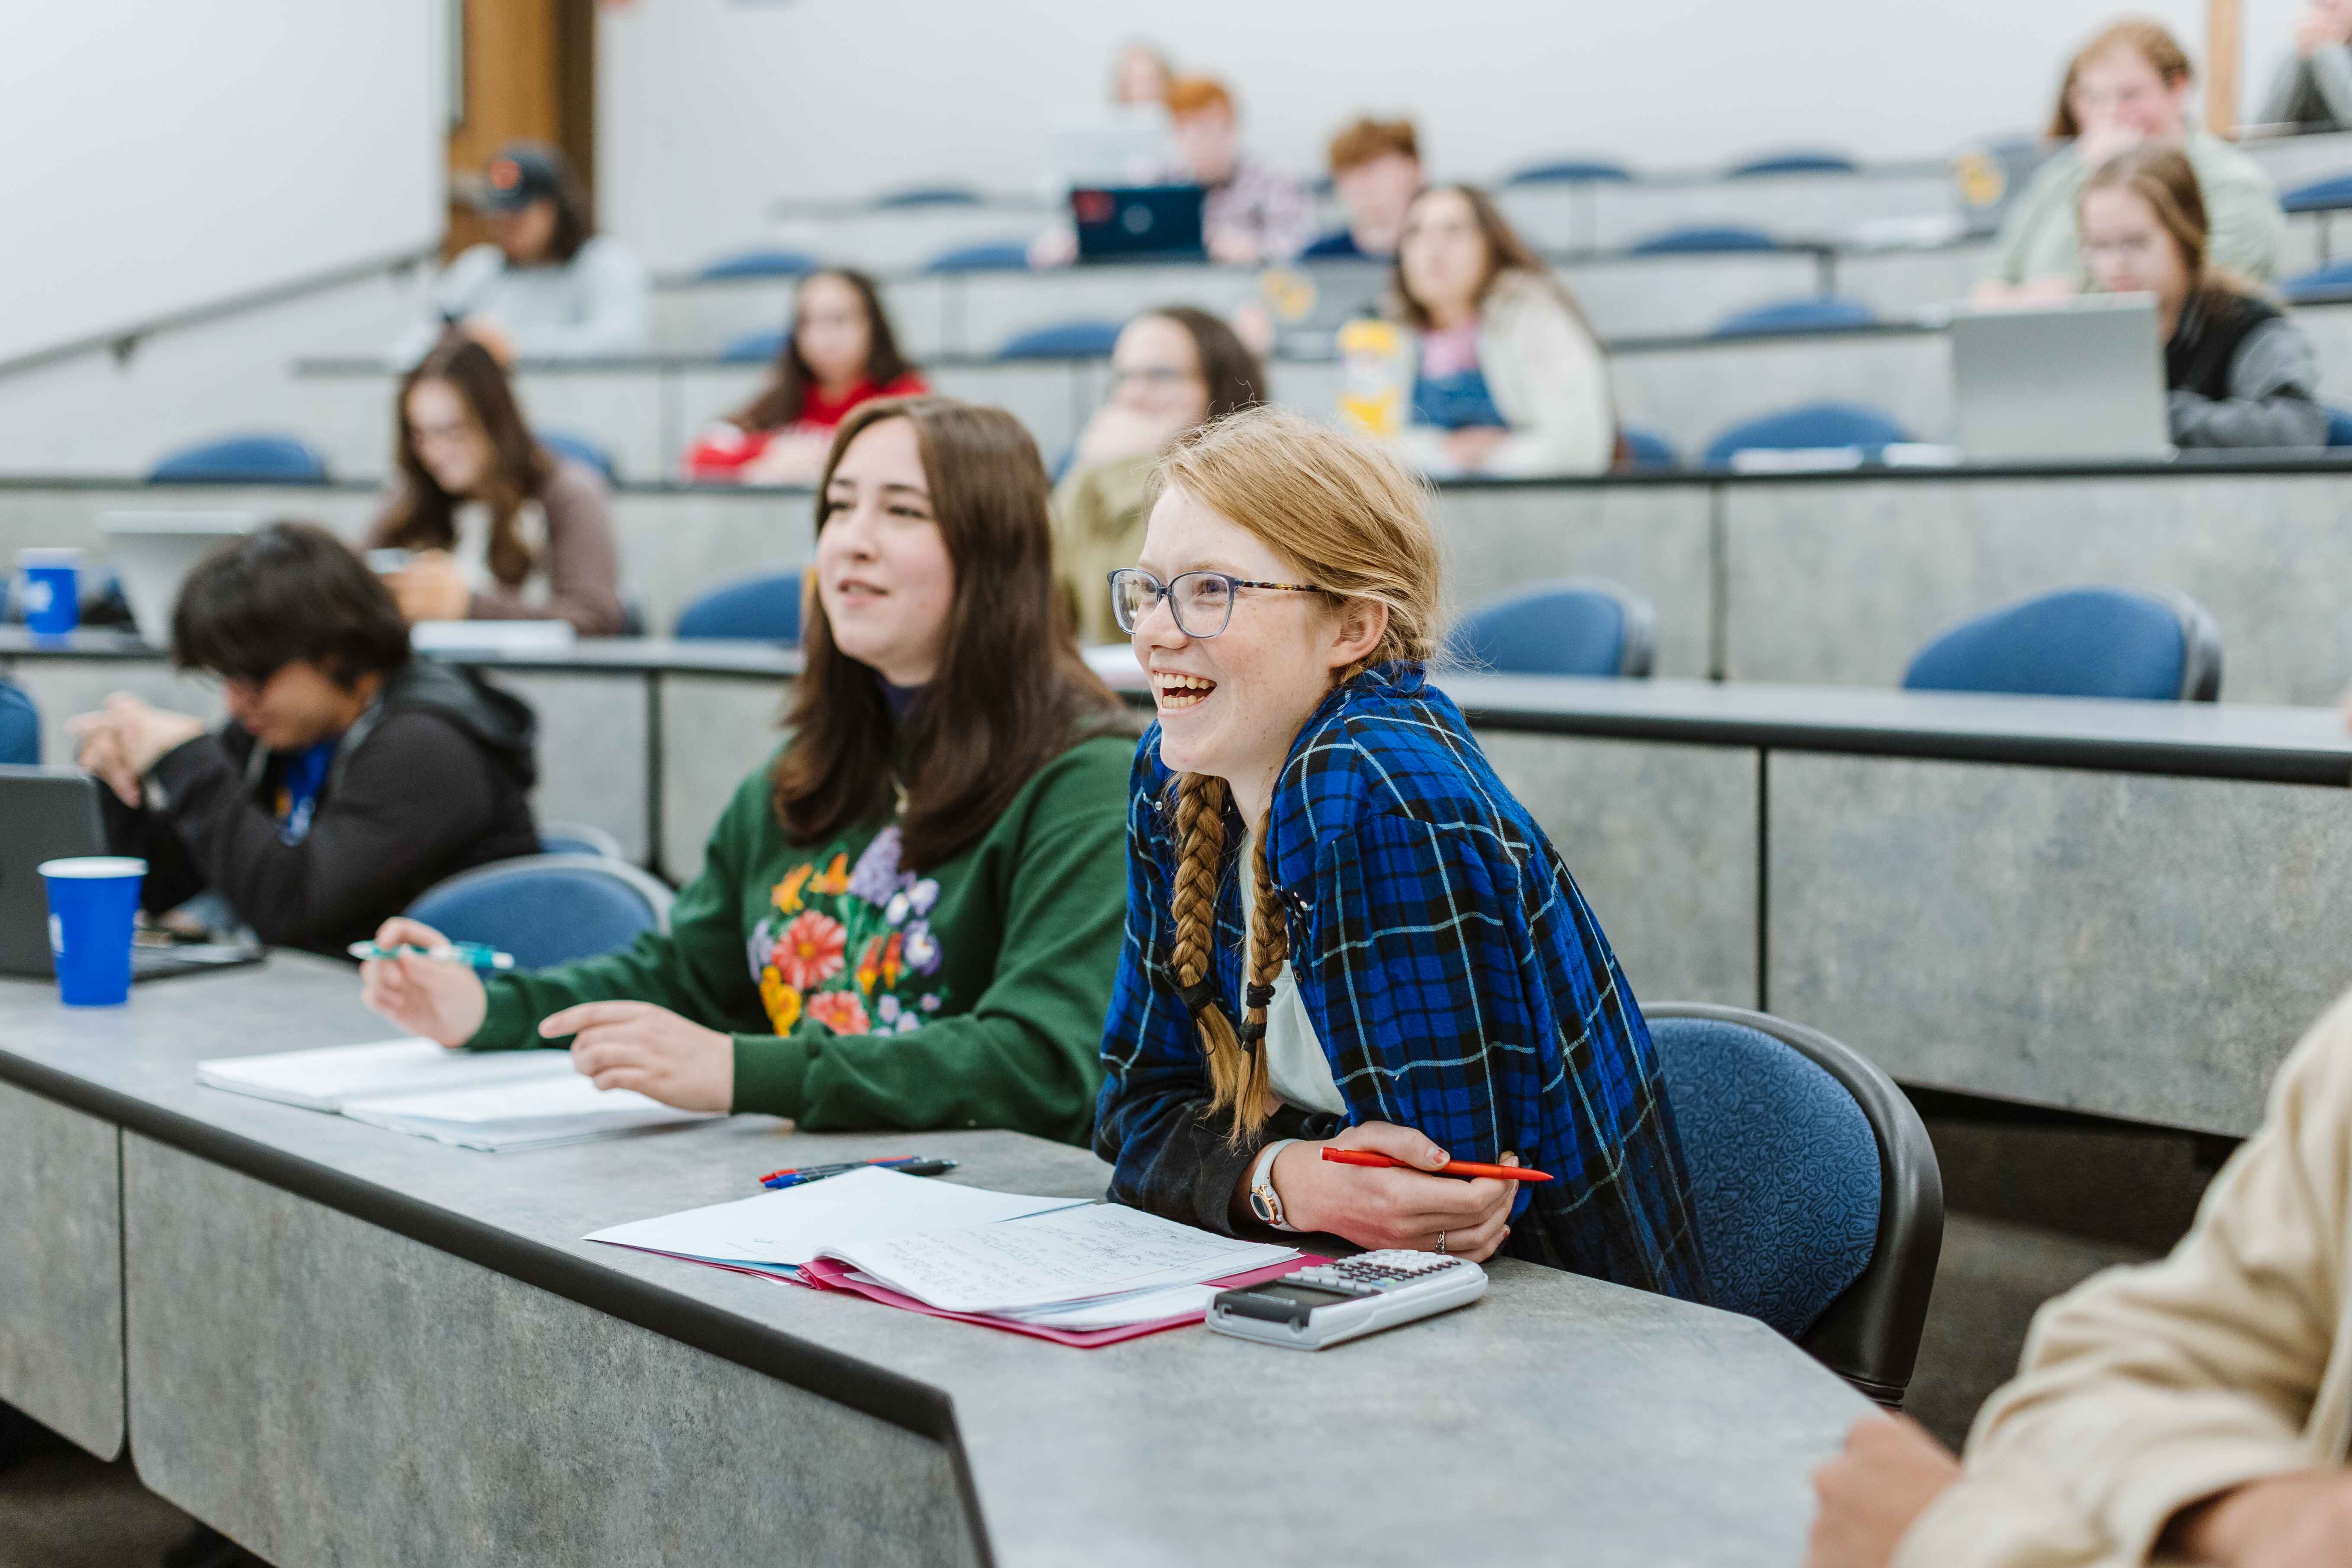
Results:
1348 1299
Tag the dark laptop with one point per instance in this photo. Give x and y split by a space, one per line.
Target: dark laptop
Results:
1139 223
52 813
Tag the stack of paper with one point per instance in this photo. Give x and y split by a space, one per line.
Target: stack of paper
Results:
495 1100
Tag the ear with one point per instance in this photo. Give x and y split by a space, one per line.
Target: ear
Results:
1356 630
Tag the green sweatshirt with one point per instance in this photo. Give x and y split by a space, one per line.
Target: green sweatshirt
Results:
861 994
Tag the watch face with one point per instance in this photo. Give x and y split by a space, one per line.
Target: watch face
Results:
1260 1206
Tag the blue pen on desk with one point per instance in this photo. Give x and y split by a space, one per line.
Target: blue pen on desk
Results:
905 1164
473 954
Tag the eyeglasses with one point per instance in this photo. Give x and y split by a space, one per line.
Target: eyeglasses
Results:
1153 377
1201 602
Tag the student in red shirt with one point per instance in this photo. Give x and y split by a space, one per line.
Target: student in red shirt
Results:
840 353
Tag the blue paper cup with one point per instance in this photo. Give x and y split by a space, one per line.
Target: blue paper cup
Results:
52 590
93 907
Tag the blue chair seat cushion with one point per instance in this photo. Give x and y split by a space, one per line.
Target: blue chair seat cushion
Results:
544 915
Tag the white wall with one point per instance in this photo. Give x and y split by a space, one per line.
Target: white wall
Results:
163 155
712 109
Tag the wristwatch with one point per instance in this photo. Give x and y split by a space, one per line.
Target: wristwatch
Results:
1263 1201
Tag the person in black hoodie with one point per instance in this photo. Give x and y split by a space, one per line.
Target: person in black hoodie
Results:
351 775
2240 373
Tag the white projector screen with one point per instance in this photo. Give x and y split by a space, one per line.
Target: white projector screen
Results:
165 156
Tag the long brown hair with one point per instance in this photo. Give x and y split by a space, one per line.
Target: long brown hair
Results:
1010 694
1235 377
1353 519
2165 179
783 400
1506 252
518 470
2145 36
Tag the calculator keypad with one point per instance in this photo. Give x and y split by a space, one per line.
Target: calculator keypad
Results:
1371 1273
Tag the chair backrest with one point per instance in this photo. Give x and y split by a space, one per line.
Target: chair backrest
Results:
1796 163
765 608
20 727
754 348
762 263
1702 239
242 460
547 908
578 838
2156 645
991 256
1821 1206
1826 313
929 197
1570 625
2322 286
1809 426
1571 172
1649 449
2340 426
2331 195
1084 338
581 449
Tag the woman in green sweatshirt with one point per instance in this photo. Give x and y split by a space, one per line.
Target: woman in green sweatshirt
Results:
911 917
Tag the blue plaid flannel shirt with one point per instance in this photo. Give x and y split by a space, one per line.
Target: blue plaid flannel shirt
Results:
1457 979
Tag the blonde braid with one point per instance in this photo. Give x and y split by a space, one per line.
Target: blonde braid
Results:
1200 848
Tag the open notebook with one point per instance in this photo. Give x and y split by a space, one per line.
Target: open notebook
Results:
493 1100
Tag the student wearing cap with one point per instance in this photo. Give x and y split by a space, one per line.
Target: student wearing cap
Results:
1376 169
548 286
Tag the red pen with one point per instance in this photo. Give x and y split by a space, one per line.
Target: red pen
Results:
1451 1168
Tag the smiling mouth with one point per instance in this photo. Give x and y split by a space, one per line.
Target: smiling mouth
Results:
1175 691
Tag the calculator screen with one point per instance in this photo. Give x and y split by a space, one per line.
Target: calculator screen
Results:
1306 1295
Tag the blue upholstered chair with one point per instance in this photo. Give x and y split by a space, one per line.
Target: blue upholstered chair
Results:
928 196
2323 286
1703 239
766 608
1570 625
20 726
2339 426
242 460
1649 449
2155 644
1084 338
762 263
1797 163
1571 172
2331 195
1813 425
547 908
1821 1208
578 838
1823 314
581 449
991 256
754 348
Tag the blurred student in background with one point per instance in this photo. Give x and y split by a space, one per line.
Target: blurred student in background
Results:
1139 75
549 286
910 916
1173 371
2129 85
350 777
1376 169
2313 86
20 726
1508 378
498 527
838 352
2241 373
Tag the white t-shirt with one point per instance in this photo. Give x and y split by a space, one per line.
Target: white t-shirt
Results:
472 551
1296 1067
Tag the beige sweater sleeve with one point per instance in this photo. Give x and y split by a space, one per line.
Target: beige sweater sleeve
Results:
2146 1389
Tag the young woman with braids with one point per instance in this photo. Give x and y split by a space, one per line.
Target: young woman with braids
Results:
1341 927
910 917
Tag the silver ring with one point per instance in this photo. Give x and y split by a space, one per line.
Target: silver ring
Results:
1440 1241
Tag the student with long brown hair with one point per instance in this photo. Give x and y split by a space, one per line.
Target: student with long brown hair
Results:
498 527
1509 377
1342 930
2239 369
840 352
910 917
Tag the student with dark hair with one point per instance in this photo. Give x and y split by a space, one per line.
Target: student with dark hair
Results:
350 777
910 916
1173 371
1509 377
839 353
503 529
1376 169
548 286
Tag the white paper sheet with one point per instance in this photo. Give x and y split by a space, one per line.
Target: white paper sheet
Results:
325 1078
1067 1257
792 1225
567 1109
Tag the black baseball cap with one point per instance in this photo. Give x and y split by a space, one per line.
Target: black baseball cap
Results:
522 173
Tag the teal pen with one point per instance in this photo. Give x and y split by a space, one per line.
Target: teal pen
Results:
475 955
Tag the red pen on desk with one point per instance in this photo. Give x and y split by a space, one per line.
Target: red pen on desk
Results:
1451 1168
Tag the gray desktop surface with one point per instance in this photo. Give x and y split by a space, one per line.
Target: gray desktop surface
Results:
1559 1416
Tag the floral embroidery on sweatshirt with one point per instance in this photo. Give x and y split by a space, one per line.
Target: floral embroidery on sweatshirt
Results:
850 946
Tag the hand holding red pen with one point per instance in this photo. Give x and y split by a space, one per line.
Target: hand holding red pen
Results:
1404 1204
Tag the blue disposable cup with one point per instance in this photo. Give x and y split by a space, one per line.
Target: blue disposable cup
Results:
93 907
52 590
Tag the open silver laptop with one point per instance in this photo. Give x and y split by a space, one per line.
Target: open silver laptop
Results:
154 551
2081 379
